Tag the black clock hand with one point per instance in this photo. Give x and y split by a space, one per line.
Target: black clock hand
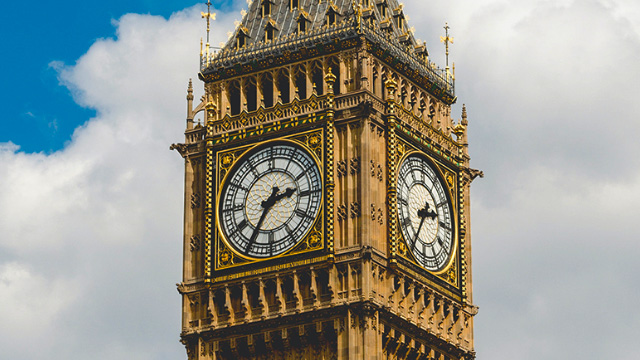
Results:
286 193
266 205
423 214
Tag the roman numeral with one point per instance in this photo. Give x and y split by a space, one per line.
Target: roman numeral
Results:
446 226
238 186
308 192
234 209
242 224
302 214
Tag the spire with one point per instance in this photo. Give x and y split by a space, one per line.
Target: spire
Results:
464 115
190 105
209 16
446 40
190 90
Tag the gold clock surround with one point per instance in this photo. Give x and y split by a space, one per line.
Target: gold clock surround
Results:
450 272
313 241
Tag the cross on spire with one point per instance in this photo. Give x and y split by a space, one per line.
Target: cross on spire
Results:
209 16
446 40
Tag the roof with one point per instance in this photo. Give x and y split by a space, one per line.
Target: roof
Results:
381 22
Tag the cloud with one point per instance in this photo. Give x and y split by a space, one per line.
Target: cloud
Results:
552 103
89 250
91 240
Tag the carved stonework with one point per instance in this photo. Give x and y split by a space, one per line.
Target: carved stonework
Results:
347 285
195 242
342 212
355 210
195 200
354 166
341 168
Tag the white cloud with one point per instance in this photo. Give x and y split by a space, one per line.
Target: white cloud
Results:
91 240
552 99
89 250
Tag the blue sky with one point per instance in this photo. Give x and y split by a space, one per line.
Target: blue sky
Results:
40 115
91 203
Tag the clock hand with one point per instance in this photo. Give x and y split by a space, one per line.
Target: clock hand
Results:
423 214
413 246
286 193
266 205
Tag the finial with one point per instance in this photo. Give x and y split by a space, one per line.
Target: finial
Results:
446 40
190 90
330 79
464 121
359 16
391 86
209 16
211 112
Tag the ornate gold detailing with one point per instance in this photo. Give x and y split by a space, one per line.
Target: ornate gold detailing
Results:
330 79
225 255
392 163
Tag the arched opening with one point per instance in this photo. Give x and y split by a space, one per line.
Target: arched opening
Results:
317 78
266 88
251 94
233 92
283 86
301 82
376 82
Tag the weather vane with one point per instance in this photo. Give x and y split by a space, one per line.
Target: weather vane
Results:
209 16
446 40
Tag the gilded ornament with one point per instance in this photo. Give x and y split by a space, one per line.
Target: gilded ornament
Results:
227 160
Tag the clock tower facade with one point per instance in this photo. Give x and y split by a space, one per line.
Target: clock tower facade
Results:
327 192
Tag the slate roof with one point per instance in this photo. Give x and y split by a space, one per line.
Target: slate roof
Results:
383 22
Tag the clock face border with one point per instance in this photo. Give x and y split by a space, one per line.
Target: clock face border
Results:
451 263
222 254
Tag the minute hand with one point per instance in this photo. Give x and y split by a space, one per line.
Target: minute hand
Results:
267 204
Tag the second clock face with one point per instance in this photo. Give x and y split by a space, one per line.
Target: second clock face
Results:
270 200
425 213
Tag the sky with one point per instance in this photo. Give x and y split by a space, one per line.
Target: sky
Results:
91 197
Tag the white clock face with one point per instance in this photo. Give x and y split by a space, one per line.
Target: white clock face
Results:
425 213
270 200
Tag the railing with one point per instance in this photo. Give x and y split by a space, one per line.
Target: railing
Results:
342 30
260 50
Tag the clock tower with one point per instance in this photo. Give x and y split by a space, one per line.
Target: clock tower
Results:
326 193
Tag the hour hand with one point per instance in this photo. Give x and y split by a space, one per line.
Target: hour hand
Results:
286 193
425 212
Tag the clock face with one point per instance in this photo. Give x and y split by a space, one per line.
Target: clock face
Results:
270 200
425 213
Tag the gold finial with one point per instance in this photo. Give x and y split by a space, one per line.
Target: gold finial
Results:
209 16
358 8
446 40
